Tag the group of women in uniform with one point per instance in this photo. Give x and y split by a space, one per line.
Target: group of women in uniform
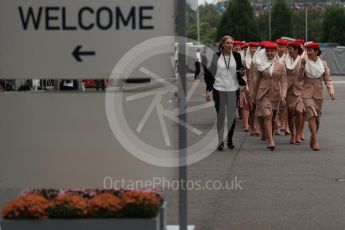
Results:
283 84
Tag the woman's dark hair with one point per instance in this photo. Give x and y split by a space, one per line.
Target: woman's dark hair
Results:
226 37
318 52
299 49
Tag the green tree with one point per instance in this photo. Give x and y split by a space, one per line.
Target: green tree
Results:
209 20
281 20
315 19
238 21
207 33
262 24
298 22
333 28
208 13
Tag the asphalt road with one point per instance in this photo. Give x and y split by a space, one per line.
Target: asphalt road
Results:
292 187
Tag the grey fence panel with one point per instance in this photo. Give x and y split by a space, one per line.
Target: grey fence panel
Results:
335 59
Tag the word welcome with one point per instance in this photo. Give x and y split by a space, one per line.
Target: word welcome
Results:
56 18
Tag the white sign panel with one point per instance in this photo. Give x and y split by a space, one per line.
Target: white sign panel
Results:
76 39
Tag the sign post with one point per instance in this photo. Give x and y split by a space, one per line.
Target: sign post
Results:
183 208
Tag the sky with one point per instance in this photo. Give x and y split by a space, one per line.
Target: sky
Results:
193 2
200 1
203 1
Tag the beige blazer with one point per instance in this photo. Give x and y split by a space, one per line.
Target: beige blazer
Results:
295 83
313 87
250 79
276 84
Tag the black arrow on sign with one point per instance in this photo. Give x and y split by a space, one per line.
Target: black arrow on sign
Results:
77 53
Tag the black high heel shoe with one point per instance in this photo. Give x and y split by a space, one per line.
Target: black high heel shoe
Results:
231 145
271 148
220 147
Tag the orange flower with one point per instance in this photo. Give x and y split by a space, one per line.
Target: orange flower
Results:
68 206
27 207
140 204
140 197
105 205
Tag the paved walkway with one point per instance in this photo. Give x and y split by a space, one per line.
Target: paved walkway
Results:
290 188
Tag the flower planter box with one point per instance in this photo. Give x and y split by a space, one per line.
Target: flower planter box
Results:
157 223
83 224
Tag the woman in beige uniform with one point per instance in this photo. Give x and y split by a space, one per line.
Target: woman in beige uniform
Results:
282 119
313 72
270 89
243 103
294 100
253 123
303 55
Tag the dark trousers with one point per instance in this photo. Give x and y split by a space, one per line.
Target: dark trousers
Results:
197 69
225 104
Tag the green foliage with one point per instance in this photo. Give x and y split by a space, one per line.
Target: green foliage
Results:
207 33
140 205
315 20
68 207
281 20
333 28
209 20
209 14
298 22
262 24
238 21
315 25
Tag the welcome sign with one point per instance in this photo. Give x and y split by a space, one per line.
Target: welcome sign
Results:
56 140
77 39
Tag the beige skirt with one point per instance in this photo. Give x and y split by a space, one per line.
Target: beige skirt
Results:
294 103
313 107
265 107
